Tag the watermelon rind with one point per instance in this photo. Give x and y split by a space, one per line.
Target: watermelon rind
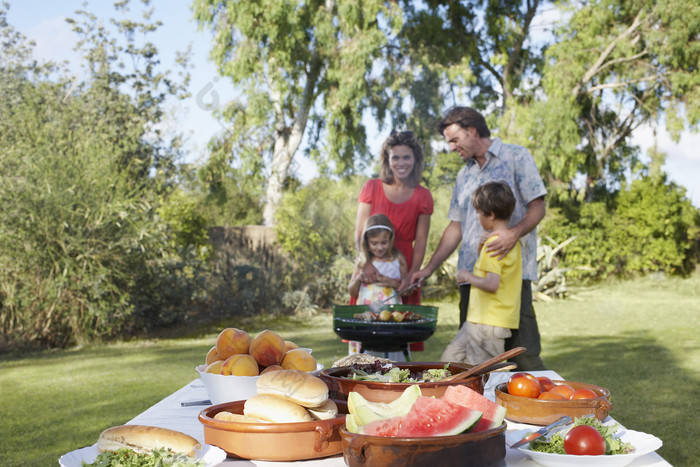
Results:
493 414
352 423
368 411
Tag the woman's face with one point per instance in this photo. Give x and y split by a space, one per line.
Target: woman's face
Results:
401 162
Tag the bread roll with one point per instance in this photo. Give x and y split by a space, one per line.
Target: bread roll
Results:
327 411
275 409
236 417
145 439
296 386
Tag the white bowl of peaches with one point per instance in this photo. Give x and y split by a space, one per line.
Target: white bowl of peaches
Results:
232 366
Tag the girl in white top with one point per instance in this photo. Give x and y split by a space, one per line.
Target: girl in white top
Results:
377 246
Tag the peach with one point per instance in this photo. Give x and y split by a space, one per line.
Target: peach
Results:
267 348
299 359
214 367
232 341
289 345
212 356
271 368
240 365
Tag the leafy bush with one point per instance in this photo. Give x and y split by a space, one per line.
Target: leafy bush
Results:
84 254
650 226
316 227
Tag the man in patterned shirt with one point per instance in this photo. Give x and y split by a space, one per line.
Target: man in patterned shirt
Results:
490 159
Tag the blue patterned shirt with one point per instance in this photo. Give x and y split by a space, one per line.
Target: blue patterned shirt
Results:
514 165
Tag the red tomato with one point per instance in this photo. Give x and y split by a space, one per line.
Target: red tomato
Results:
545 383
563 389
584 440
583 393
552 396
524 385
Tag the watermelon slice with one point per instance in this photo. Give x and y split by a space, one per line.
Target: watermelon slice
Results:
383 427
427 417
437 417
493 414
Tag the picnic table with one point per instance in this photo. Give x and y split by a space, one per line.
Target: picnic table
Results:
169 413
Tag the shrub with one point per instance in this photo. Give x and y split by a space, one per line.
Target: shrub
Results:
649 226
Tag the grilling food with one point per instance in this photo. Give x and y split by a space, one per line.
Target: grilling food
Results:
395 316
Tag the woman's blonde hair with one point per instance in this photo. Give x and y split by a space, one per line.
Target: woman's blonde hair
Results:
373 226
402 138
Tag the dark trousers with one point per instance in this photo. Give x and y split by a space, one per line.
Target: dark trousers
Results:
527 335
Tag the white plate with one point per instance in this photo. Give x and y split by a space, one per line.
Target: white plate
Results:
644 443
211 455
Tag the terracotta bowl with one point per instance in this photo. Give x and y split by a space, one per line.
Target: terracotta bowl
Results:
482 449
340 386
543 412
273 441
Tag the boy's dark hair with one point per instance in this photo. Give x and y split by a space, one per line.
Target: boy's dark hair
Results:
494 198
465 117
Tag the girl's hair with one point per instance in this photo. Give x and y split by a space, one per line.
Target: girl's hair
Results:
373 226
402 138
494 198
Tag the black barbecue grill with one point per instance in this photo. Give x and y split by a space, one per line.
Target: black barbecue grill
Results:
384 336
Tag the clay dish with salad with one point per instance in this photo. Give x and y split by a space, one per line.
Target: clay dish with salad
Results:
385 381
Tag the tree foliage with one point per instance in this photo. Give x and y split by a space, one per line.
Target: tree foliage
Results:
301 68
648 226
84 168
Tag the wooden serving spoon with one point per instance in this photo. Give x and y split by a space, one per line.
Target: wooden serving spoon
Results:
478 369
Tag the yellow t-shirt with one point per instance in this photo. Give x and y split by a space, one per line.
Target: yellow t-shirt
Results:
501 308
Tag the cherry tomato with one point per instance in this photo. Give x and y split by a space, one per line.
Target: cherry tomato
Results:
583 393
545 383
584 440
524 385
563 389
552 396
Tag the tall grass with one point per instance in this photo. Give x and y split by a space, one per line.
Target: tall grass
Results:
637 338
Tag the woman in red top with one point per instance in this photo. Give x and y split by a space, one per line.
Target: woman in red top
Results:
397 193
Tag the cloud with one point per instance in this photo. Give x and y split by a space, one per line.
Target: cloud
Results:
682 158
54 41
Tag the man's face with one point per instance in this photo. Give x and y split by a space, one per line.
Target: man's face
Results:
463 141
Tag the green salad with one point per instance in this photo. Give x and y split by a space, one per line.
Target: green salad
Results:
158 458
388 373
555 444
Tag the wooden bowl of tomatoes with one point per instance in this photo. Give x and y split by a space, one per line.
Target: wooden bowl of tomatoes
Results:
541 401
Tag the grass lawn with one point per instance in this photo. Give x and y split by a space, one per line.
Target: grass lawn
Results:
637 338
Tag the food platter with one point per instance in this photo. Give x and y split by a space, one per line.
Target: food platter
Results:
384 336
644 444
535 411
482 449
293 441
339 385
211 455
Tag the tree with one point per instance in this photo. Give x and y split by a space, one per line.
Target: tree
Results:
573 96
615 66
301 68
83 169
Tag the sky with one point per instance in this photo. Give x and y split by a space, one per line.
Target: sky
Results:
44 22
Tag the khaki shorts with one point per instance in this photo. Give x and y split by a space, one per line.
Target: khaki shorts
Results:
476 343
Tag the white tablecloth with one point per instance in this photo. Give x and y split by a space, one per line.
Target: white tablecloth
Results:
168 413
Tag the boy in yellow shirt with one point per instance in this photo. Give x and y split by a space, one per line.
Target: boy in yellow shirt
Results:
494 304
